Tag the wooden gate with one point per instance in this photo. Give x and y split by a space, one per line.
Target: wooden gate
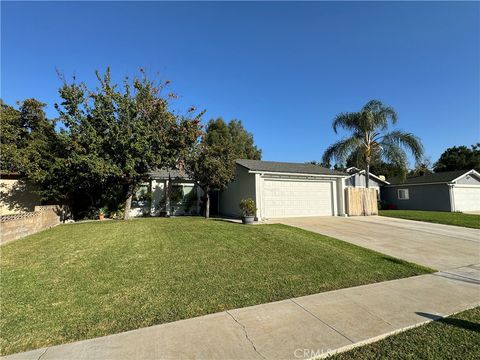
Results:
361 201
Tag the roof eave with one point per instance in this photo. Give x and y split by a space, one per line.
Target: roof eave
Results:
473 171
296 173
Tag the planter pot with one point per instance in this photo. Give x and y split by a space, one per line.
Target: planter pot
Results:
248 219
101 217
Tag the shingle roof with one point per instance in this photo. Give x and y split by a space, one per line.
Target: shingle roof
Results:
286 167
441 177
165 174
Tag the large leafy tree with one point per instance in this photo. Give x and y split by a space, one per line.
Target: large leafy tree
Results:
369 139
28 139
117 134
236 135
242 140
212 164
459 158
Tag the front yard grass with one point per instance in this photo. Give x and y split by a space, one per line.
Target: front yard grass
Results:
454 337
439 217
85 280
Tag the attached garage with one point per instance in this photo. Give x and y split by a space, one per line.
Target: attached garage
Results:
289 198
466 197
285 190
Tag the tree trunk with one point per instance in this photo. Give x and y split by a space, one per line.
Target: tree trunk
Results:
128 202
366 195
207 204
367 174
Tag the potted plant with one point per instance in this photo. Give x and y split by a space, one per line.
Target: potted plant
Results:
248 210
101 213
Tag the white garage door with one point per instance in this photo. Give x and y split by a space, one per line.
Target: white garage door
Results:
285 198
466 198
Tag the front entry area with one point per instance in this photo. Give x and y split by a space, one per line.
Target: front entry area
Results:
291 198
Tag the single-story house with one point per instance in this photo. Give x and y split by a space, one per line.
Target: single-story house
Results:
282 189
168 192
357 179
444 191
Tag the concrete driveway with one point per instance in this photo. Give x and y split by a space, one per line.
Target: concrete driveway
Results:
437 246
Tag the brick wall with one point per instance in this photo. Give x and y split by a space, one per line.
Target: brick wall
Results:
16 226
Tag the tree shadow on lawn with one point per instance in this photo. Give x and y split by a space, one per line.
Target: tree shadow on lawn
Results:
452 321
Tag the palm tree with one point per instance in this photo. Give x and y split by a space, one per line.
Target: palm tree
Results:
369 138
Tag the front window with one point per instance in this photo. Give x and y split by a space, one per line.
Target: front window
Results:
403 194
142 195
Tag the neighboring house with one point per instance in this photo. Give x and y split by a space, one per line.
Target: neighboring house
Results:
168 192
16 195
444 191
357 179
283 189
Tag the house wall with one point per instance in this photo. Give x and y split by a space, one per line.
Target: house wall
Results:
17 196
242 187
159 205
434 197
359 180
158 195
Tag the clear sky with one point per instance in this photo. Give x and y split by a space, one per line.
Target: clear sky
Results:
285 69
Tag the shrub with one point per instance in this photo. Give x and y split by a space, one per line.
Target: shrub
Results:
382 205
248 207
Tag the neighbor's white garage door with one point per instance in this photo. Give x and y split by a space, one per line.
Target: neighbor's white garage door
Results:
466 198
287 198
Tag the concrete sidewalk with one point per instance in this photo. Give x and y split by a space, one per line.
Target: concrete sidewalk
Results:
299 328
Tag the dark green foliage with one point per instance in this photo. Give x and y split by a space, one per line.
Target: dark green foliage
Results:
30 147
80 281
233 133
377 166
115 135
242 140
319 163
454 337
248 208
459 158
212 163
28 139
421 168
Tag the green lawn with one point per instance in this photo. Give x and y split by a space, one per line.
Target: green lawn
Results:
455 337
440 217
85 280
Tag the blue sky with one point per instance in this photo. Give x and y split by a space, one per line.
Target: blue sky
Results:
284 69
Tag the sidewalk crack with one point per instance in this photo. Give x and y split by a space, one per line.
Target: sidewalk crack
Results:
323 322
370 313
42 354
246 334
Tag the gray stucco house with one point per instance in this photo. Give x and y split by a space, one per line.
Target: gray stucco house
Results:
283 189
279 189
445 191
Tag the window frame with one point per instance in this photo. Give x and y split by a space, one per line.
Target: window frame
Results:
406 192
